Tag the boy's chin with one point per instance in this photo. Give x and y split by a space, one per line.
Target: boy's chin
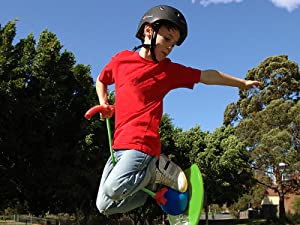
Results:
159 59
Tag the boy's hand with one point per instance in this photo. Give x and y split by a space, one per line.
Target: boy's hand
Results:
107 110
251 84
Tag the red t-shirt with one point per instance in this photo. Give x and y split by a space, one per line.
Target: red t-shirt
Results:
140 86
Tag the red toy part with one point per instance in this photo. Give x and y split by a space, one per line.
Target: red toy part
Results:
160 196
107 111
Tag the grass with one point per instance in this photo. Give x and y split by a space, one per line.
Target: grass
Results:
234 222
244 222
10 222
211 222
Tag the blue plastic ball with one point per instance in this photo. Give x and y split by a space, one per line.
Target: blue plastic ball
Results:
177 202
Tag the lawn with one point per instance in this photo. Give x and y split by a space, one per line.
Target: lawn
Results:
10 222
241 222
235 222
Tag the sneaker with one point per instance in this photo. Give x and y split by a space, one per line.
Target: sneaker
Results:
169 174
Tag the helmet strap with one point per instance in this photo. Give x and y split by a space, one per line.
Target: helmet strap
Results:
153 43
141 46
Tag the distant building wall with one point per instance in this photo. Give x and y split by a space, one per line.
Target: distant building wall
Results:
270 203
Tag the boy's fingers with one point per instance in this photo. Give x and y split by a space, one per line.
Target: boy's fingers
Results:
108 111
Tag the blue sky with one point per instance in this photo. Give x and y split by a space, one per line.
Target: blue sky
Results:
228 35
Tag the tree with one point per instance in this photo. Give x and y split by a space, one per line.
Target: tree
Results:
251 199
225 166
169 140
268 122
279 78
49 154
12 87
222 160
190 144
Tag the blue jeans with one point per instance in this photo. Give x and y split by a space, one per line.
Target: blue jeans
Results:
120 186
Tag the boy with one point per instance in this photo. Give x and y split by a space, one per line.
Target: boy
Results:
142 79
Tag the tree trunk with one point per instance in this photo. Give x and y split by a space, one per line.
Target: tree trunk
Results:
282 216
206 206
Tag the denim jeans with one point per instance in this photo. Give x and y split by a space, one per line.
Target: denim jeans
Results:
121 184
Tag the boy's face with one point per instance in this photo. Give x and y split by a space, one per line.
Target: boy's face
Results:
165 41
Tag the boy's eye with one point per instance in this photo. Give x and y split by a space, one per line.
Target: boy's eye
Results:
167 38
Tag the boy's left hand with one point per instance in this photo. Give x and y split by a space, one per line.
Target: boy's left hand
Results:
251 84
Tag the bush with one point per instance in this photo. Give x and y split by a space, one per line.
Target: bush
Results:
296 206
294 219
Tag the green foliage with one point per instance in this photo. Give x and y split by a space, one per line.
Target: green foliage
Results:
222 159
224 163
251 199
272 136
296 205
280 79
166 130
45 161
190 143
268 123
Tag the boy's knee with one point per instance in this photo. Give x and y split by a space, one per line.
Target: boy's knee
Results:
103 204
100 207
113 193
103 209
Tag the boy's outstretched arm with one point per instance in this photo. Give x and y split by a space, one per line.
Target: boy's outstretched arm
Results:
211 77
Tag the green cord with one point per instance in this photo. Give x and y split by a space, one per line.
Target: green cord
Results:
151 193
110 142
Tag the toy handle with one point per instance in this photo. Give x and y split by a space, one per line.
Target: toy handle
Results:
100 109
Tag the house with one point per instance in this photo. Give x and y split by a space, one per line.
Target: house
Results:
270 203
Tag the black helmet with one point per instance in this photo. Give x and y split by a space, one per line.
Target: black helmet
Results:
160 14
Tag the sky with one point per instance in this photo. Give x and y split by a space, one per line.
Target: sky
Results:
232 36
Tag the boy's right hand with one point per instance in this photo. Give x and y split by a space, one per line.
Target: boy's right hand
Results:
107 110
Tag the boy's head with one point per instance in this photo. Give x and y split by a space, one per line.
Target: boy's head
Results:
165 17
163 14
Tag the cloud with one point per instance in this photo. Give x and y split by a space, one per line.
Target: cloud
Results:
208 2
290 5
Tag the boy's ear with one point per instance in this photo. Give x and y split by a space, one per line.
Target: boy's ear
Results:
148 30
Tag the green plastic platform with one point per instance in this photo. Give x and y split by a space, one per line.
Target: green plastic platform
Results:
196 190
